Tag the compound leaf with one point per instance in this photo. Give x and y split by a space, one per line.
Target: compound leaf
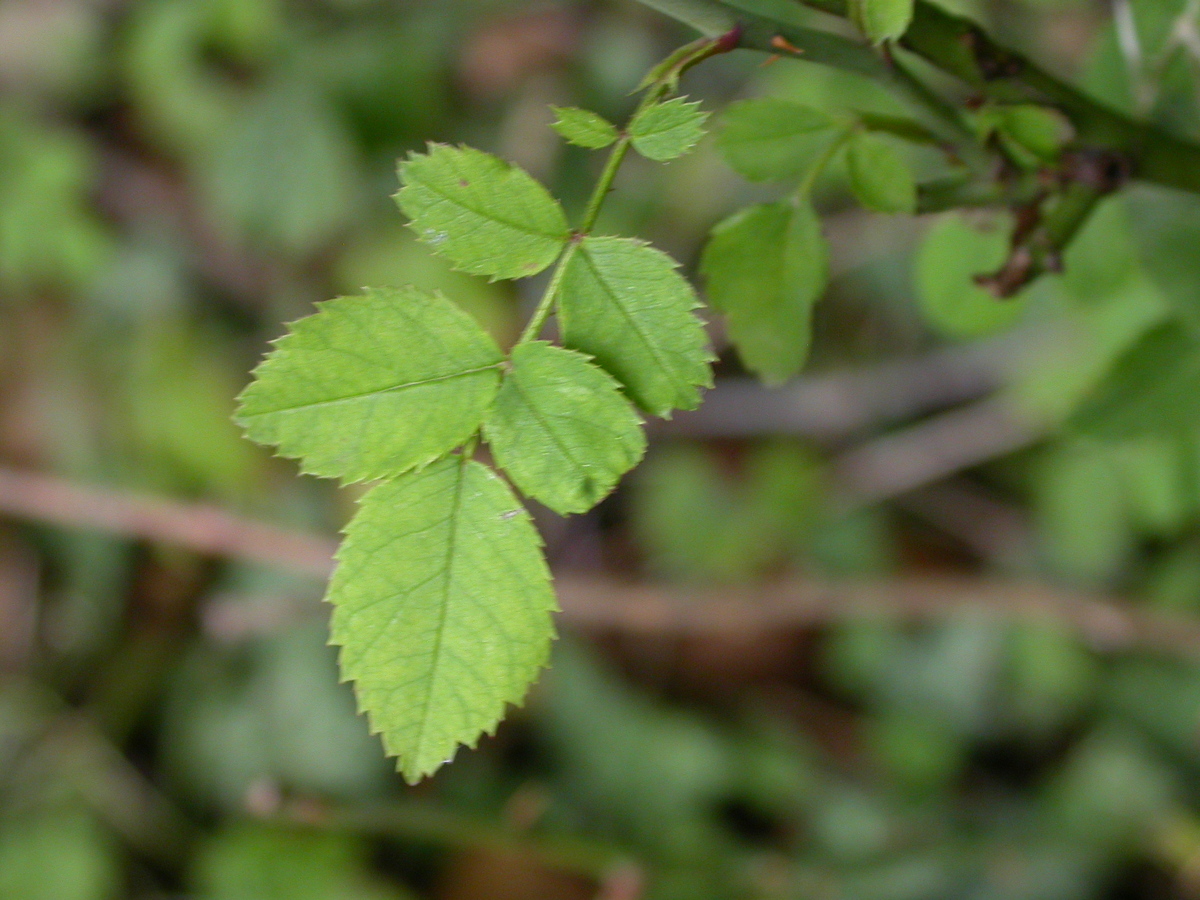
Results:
882 20
664 131
879 176
373 385
441 607
583 127
770 139
623 303
562 429
766 266
486 216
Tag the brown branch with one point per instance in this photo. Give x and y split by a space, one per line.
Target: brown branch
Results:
837 405
205 529
605 605
933 449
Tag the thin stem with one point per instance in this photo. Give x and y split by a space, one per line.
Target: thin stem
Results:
664 77
921 94
604 184
546 305
620 149
805 188
962 49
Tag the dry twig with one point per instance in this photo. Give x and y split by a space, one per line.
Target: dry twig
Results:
606 605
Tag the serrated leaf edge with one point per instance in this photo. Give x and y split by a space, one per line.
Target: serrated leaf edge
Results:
275 343
499 716
430 146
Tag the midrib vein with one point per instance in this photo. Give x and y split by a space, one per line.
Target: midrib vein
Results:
515 226
445 605
633 323
391 389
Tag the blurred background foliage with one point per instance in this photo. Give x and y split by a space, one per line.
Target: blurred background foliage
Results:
180 177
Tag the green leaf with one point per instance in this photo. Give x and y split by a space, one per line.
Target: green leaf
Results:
879 176
285 174
666 130
623 303
57 855
442 606
947 263
1154 388
486 216
771 139
1037 129
766 266
583 127
373 385
561 428
259 862
882 20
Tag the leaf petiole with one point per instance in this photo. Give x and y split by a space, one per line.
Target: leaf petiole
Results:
805 188
546 305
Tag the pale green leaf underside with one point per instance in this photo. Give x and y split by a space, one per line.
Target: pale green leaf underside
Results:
623 303
879 176
583 127
666 130
484 215
442 608
882 20
561 428
373 385
766 266
769 139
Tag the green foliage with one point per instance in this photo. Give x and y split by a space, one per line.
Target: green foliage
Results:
266 711
373 367
442 599
177 177
771 139
48 236
663 131
879 176
882 20
285 175
1082 513
262 863
57 855
561 429
1038 130
623 303
442 609
766 267
953 255
486 216
584 128
1155 388
699 524
441 595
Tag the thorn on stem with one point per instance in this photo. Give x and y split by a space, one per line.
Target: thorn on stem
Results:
779 42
